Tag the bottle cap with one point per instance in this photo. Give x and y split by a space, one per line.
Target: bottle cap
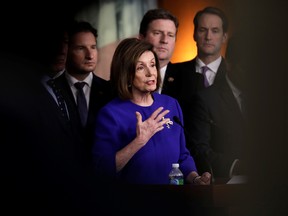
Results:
175 165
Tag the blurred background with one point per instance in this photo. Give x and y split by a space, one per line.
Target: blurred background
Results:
262 25
118 19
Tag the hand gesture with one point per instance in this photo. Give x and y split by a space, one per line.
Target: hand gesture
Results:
145 130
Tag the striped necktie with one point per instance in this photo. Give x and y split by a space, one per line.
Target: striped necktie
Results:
59 97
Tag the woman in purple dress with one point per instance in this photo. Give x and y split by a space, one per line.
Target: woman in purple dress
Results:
136 140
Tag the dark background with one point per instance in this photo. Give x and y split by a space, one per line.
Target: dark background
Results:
25 29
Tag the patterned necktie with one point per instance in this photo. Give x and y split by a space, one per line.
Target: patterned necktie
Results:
204 70
59 97
81 102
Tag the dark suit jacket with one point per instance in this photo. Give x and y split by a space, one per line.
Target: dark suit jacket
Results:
41 154
190 81
99 96
170 84
186 85
216 129
182 82
64 163
61 160
190 66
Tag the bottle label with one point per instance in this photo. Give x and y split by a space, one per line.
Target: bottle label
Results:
176 181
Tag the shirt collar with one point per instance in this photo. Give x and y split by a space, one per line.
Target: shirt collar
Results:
213 66
72 80
162 72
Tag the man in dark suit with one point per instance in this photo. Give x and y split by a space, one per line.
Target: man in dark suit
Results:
159 27
44 168
217 124
81 63
210 34
62 157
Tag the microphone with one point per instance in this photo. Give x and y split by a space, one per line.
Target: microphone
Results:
178 121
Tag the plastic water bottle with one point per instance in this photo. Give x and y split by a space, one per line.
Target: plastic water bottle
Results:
175 175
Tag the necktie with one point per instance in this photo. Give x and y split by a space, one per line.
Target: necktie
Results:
59 97
81 102
204 70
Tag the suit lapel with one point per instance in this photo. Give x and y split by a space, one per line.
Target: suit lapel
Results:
51 106
221 73
69 99
169 78
228 98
